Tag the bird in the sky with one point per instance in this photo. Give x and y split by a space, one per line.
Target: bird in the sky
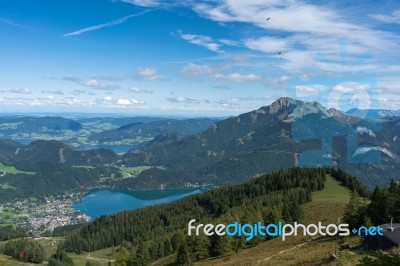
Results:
280 53
268 19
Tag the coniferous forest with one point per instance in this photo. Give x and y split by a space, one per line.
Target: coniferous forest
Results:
151 233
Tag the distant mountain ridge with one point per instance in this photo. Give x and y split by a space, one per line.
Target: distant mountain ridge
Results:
373 113
148 131
285 134
271 138
8 125
85 132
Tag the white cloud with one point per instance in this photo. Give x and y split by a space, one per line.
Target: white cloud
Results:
56 92
358 91
180 99
229 103
124 102
222 87
92 83
286 15
71 101
229 42
193 70
135 90
278 81
104 25
148 73
236 77
107 98
21 90
304 76
110 78
128 102
305 28
13 23
143 3
393 18
200 40
78 92
343 89
308 90
138 90
267 44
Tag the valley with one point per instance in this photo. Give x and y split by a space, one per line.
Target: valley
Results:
326 205
51 187
209 132
98 132
40 218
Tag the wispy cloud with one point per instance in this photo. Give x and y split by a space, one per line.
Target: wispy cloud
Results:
393 18
138 90
104 25
78 92
278 81
143 3
180 99
237 77
92 83
194 71
56 92
148 73
13 23
128 102
304 28
200 40
308 90
21 90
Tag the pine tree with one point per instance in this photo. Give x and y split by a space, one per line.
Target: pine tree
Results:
123 257
201 247
354 214
287 217
142 255
176 241
379 207
238 243
182 257
160 250
220 245
167 247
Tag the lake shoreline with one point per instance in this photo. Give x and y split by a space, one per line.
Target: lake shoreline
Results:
105 201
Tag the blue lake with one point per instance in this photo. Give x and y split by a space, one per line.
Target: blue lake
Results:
105 202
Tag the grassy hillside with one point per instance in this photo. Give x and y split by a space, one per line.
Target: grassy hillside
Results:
332 192
12 170
327 205
102 257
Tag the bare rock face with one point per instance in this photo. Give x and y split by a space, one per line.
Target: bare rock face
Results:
343 117
279 104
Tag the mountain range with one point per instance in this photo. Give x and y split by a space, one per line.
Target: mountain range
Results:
285 134
135 131
373 113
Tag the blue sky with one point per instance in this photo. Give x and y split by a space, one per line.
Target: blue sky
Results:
196 58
